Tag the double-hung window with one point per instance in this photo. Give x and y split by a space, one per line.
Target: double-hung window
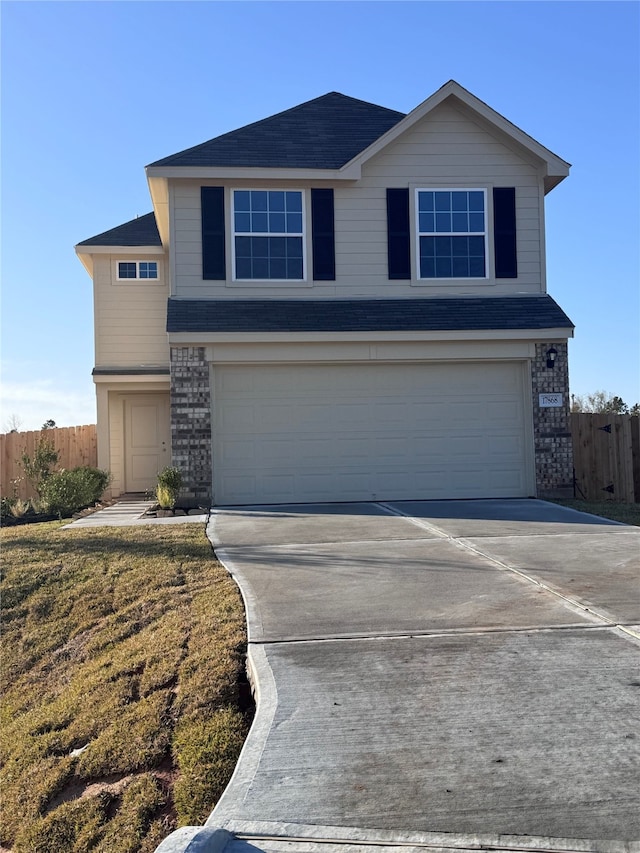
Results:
452 233
138 269
268 234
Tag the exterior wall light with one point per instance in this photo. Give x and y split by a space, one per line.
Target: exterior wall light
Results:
552 354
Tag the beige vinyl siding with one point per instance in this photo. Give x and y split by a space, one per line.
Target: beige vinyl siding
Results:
116 443
130 316
446 149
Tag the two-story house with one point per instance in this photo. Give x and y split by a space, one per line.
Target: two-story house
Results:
338 303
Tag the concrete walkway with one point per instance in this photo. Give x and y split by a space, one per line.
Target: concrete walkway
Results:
433 676
128 512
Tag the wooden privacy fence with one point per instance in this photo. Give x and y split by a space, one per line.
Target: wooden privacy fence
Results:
76 446
606 456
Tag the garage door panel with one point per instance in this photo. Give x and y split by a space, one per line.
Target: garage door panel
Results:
285 433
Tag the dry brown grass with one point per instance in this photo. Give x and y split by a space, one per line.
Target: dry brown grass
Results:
123 652
615 510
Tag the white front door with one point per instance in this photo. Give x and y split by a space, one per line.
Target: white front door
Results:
147 440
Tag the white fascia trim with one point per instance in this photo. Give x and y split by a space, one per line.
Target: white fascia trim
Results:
119 250
556 166
176 338
132 379
219 173
159 192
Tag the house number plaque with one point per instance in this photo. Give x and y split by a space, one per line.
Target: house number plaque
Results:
550 401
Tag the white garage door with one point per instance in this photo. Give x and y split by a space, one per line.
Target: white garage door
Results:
369 432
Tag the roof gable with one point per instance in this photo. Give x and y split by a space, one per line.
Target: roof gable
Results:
556 167
325 133
141 231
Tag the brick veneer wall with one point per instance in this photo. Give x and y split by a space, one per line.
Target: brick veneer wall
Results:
551 427
191 421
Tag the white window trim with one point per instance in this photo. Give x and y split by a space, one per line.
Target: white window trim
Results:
137 278
467 279
281 282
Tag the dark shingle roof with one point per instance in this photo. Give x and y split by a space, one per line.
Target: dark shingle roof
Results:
324 133
365 315
141 231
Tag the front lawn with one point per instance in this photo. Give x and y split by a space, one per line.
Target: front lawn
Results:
626 513
123 670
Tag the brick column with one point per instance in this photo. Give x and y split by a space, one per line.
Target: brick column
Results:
551 426
191 421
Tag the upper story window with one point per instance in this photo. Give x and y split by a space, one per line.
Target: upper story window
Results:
268 234
451 233
138 269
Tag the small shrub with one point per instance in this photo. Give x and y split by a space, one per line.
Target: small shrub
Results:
168 488
19 508
5 506
39 467
65 492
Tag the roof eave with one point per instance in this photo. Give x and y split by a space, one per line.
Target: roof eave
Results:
221 173
551 333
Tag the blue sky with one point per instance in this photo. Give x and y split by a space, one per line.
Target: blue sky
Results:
93 91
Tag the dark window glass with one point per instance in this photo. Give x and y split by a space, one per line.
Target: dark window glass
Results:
426 222
460 267
476 201
259 222
243 221
126 270
294 223
278 247
443 222
294 268
460 222
443 267
294 202
443 246
260 268
459 201
276 223
425 201
243 267
276 201
476 267
460 247
243 247
427 268
443 201
476 246
242 200
294 248
258 200
268 212
476 222
278 268
428 246
260 247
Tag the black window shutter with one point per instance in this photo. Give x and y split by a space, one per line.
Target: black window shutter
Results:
213 250
323 235
504 232
398 234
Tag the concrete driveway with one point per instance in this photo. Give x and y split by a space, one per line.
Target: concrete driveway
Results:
436 674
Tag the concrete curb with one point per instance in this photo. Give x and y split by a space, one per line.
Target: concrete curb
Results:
195 839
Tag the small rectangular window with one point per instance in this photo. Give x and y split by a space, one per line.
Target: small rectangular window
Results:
138 269
127 270
451 233
268 234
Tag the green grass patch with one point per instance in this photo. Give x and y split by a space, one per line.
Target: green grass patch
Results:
624 512
123 653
